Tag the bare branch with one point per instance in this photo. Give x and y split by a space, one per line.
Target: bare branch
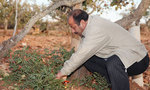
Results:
136 15
16 19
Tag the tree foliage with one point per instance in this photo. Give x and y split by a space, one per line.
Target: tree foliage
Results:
90 6
25 12
7 10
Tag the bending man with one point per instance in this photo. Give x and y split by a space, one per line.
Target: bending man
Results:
106 48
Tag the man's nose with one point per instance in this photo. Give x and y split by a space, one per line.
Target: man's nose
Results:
72 30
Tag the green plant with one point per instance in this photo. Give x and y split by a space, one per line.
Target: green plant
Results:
32 69
95 81
8 53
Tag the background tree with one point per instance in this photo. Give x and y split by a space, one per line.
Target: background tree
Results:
147 17
25 12
7 10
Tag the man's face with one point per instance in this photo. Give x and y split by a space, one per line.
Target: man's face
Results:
75 28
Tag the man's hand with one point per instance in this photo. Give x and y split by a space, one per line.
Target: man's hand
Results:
60 76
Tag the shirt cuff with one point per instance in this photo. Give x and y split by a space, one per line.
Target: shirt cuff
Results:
64 72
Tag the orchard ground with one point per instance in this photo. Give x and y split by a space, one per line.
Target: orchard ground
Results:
53 40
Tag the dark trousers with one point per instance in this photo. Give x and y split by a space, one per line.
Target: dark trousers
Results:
114 71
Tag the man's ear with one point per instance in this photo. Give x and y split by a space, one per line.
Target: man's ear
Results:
82 23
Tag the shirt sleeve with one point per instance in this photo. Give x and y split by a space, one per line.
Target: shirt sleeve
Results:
91 44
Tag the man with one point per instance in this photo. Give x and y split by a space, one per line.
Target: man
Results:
105 48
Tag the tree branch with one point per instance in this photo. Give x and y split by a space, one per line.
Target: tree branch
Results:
136 15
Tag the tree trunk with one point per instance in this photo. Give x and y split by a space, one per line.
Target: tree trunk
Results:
5 25
148 23
135 32
16 19
136 15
